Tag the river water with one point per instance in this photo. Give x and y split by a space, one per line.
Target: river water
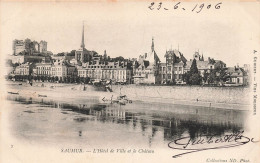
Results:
90 124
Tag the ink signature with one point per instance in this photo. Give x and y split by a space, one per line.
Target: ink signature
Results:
208 142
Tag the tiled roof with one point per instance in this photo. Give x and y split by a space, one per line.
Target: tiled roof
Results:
236 72
200 64
162 64
177 55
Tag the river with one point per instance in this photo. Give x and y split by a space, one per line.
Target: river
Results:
90 124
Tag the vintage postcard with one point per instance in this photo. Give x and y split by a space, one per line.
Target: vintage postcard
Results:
130 81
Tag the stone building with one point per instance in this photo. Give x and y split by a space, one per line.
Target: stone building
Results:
23 69
237 76
146 69
204 66
43 69
99 69
162 73
82 55
43 46
28 47
63 69
174 67
28 58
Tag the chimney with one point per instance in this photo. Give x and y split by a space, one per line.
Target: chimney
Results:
145 55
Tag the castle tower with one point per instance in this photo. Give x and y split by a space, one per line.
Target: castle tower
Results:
43 46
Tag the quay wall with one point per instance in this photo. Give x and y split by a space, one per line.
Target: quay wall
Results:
165 94
230 95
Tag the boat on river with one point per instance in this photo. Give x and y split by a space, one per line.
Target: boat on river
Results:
42 95
121 99
15 93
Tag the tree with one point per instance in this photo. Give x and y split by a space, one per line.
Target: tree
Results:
10 77
16 64
42 78
45 78
120 58
77 79
30 77
65 79
223 76
56 78
212 77
186 77
81 79
193 77
69 79
86 80
205 77
9 63
38 78
194 68
60 54
72 80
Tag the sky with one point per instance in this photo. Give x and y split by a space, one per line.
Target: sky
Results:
230 33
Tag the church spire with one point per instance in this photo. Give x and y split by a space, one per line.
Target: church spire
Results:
202 58
152 45
82 41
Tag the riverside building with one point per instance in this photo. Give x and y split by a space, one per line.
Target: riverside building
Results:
174 67
204 66
23 69
101 67
145 70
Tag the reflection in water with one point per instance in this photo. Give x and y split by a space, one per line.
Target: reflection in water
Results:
172 121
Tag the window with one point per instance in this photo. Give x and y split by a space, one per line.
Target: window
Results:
177 76
180 68
169 68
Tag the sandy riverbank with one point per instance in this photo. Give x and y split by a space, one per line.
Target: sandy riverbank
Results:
59 91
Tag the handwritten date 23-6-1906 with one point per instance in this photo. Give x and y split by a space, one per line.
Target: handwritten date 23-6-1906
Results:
196 8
